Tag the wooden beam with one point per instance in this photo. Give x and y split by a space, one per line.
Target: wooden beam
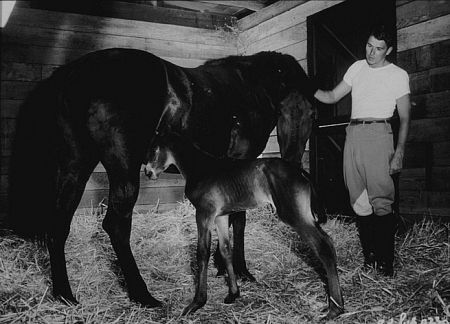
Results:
252 5
136 11
267 13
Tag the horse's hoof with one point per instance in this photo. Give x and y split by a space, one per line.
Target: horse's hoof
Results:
231 298
192 308
147 301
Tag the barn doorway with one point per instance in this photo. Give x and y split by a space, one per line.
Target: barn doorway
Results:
336 38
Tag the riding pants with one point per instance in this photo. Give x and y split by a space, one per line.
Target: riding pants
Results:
367 154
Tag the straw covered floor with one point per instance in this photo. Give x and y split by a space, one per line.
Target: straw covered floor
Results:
288 287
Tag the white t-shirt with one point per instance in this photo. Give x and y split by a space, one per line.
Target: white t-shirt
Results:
375 90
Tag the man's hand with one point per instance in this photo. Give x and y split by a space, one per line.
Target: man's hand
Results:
396 164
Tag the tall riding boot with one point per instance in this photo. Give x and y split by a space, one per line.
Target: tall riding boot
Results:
385 229
365 226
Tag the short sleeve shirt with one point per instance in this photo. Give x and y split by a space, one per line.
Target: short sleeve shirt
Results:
375 90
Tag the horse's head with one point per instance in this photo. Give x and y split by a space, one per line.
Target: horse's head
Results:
159 157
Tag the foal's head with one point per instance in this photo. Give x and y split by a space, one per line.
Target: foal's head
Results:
159 157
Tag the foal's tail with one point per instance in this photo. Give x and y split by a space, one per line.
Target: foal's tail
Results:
32 172
316 203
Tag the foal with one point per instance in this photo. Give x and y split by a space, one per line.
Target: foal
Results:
240 186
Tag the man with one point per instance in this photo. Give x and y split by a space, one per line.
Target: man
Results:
377 87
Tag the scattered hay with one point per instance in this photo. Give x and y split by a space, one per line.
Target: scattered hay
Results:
288 289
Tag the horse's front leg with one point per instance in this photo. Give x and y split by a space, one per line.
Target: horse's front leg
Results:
204 223
225 250
117 224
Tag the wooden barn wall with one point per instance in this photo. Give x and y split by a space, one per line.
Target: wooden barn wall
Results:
280 27
35 42
423 35
423 32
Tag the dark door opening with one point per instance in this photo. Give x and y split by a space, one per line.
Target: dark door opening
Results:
336 38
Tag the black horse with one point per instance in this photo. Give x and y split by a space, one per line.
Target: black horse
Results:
236 186
105 107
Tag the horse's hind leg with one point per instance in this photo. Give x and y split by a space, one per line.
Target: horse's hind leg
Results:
74 169
225 250
124 189
302 220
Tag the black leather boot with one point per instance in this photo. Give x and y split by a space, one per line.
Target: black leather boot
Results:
365 226
385 229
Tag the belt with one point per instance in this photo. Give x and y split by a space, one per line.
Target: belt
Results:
363 121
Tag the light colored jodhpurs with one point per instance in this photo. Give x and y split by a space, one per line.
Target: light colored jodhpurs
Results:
367 153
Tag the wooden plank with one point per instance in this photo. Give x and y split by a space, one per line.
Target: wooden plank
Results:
16 89
204 7
419 11
4 164
60 56
10 108
274 42
424 33
115 26
47 70
295 16
297 50
4 184
431 105
266 13
433 80
425 57
7 132
93 41
252 5
441 153
440 179
134 11
429 130
20 71
40 55
399 3
99 180
424 203
147 196
415 155
412 179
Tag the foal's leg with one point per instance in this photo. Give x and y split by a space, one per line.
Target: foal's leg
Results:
73 173
302 220
204 223
225 250
237 220
124 189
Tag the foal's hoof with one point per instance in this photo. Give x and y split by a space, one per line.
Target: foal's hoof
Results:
231 298
147 301
192 308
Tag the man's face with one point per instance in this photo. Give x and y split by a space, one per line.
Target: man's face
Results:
376 52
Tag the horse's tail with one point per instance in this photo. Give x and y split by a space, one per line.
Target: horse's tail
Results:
32 176
316 203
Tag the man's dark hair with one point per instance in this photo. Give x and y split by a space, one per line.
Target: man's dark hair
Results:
380 32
